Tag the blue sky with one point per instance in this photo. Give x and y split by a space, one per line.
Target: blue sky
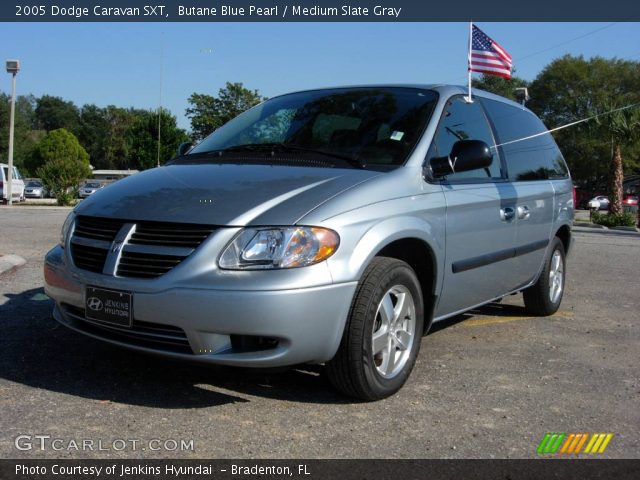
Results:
119 64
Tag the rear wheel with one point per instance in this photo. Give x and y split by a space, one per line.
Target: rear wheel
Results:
545 296
382 337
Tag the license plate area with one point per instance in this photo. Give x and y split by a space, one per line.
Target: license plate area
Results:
109 306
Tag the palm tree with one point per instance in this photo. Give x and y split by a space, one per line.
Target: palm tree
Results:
623 127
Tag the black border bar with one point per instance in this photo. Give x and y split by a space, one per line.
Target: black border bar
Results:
544 468
321 11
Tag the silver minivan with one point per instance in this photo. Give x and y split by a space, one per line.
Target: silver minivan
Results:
330 226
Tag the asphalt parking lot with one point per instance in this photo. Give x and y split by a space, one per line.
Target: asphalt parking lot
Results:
488 384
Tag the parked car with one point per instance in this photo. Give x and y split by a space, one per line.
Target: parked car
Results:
601 202
328 226
630 200
89 188
34 189
17 190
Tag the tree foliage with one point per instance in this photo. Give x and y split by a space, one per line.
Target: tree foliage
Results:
52 113
58 143
64 164
25 137
114 137
499 85
571 88
623 126
144 138
208 113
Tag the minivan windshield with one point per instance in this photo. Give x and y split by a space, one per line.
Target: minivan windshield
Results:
365 126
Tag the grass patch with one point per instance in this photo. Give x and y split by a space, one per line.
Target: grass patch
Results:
624 219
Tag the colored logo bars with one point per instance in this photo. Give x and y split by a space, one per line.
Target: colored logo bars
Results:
573 443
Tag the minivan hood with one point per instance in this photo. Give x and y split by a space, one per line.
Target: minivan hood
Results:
222 194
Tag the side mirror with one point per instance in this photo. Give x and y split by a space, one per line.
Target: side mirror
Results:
465 155
184 148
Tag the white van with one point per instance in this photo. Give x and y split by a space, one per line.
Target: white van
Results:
17 192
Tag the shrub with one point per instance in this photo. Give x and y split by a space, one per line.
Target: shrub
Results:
64 164
624 219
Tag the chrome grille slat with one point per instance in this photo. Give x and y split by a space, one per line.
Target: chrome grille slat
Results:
158 250
90 242
88 258
149 251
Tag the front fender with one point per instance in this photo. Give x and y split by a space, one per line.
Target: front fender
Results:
361 241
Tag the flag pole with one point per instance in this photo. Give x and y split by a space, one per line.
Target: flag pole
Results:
469 99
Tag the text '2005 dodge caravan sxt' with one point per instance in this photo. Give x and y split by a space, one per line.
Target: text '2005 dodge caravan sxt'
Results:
327 226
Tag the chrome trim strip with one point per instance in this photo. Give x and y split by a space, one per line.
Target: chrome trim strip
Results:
115 250
158 250
91 242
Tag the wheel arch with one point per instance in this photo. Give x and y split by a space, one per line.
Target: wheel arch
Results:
564 234
419 255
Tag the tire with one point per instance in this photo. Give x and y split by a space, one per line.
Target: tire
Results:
357 370
540 299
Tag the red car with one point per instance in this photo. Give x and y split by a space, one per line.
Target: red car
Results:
630 200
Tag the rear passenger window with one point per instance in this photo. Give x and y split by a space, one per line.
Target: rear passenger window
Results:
537 158
465 121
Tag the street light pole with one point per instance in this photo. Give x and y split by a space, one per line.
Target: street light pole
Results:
13 66
160 101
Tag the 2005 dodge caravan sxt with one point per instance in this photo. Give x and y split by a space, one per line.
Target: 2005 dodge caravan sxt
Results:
327 226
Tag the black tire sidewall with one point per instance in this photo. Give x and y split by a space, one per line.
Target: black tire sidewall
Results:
544 281
401 274
560 248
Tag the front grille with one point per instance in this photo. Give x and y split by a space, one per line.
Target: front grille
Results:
88 258
156 336
144 265
97 228
171 235
149 249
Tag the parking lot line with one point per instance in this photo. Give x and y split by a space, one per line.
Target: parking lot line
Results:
476 322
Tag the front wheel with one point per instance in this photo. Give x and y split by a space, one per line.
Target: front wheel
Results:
544 297
382 337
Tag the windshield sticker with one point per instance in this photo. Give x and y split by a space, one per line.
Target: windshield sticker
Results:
397 136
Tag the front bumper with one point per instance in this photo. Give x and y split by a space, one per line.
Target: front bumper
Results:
305 325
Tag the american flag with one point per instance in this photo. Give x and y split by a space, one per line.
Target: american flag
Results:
487 56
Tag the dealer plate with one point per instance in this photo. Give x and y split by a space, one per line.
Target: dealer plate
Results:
109 306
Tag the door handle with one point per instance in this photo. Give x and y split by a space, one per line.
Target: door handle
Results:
507 214
523 212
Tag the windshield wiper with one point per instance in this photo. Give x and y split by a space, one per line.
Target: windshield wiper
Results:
295 148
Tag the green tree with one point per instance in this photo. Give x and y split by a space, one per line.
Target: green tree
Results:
52 113
64 164
572 88
93 133
624 129
208 113
144 139
499 85
25 138
117 142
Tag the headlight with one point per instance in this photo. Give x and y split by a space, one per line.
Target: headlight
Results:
66 226
285 247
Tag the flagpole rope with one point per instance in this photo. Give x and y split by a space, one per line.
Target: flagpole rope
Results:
626 107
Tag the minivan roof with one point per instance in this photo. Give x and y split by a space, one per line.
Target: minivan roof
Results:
443 89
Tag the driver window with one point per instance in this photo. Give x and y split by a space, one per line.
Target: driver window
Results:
465 121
